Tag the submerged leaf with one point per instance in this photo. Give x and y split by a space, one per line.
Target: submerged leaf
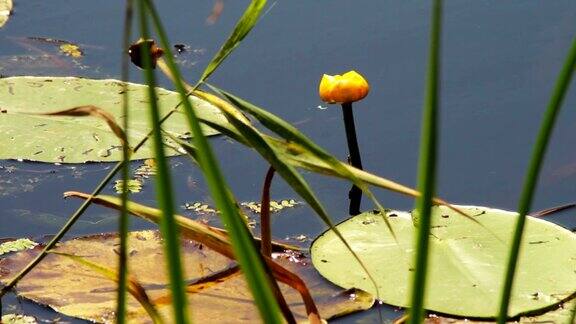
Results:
77 140
214 295
466 262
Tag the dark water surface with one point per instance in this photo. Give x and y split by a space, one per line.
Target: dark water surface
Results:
500 61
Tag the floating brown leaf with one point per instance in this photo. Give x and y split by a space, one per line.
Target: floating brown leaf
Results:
216 294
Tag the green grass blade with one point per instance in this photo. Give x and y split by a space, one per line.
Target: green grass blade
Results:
123 220
242 28
291 176
248 256
533 172
164 192
291 133
427 167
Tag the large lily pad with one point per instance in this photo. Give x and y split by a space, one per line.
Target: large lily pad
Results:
76 290
560 315
81 139
467 261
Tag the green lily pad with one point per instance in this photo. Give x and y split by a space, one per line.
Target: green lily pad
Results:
216 295
82 139
467 261
560 315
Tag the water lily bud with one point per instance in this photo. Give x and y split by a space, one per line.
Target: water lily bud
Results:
345 88
135 51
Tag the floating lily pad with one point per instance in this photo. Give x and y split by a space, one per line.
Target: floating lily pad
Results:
82 139
467 261
78 291
561 315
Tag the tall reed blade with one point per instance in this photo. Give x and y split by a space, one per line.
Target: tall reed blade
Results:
290 133
532 174
242 28
163 186
246 253
427 167
123 221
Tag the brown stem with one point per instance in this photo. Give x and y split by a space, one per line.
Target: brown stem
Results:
265 231
266 241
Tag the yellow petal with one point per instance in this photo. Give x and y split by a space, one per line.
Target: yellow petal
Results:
349 87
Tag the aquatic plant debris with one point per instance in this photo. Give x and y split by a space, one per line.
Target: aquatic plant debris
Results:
134 185
18 319
275 205
78 140
252 206
17 245
78 291
146 170
72 50
466 262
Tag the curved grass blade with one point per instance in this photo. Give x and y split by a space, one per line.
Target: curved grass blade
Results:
242 28
291 133
164 194
291 176
427 167
91 110
248 256
133 286
315 152
531 179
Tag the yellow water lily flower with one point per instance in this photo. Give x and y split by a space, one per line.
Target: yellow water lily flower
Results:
346 88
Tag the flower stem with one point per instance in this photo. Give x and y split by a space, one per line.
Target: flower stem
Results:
355 194
265 231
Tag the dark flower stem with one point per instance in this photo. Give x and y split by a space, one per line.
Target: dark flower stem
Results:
265 231
266 241
355 194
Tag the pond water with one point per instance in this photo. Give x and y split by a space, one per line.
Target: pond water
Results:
500 61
